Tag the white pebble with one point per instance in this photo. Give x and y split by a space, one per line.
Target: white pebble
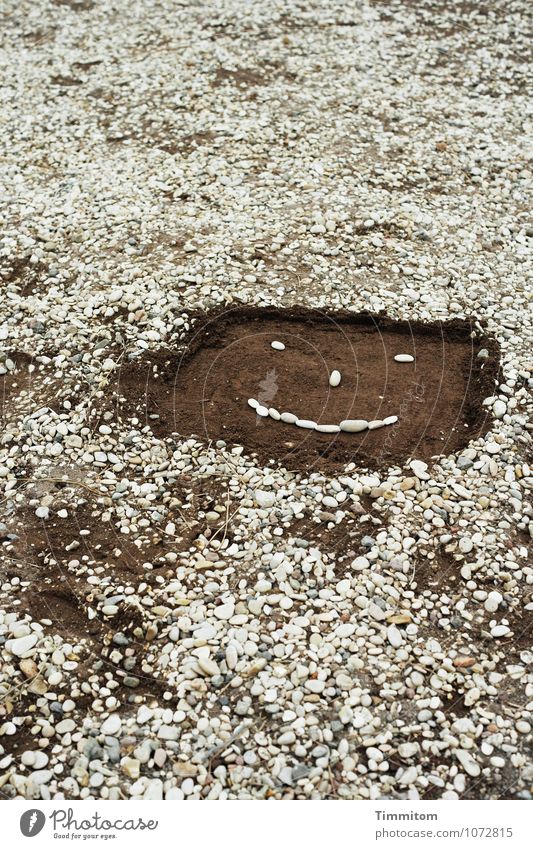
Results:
262 411
41 776
493 601
327 428
390 420
264 499
394 636
232 657
208 667
419 468
111 725
468 763
305 423
353 425
253 403
278 346
360 563
409 776
404 358
314 685
374 425
335 378
224 611
288 418
407 750
500 630
273 413
21 645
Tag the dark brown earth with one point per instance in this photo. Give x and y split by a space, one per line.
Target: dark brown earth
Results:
203 389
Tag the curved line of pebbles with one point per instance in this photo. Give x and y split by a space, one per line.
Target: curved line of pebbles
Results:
347 425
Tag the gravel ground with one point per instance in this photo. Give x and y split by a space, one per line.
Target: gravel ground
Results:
176 620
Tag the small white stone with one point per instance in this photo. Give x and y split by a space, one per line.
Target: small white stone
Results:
41 776
42 512
154 789
327 428
404 358
262 411
278 346
314 685
334 378
468 763
407 750
499 408
28 758
131 766
264 499
65 726
308 424
409 776
360 563
144 714
40 759
224 611
390 420
353 425
174 793
273 413
374 425
465 545
493 601
73 441
345 629
232 657
419 468
394 636
472 696
287 738
500 630
111 725
208 667
253 403
288 418
21 645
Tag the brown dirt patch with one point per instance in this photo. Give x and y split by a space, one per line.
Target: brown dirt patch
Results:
27 386
42 553
23 273
76 5
239 77
227 358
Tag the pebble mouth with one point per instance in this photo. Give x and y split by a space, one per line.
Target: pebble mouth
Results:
204 389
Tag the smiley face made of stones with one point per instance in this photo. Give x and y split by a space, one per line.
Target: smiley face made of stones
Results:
347 425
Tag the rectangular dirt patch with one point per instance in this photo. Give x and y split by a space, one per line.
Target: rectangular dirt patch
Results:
228 359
